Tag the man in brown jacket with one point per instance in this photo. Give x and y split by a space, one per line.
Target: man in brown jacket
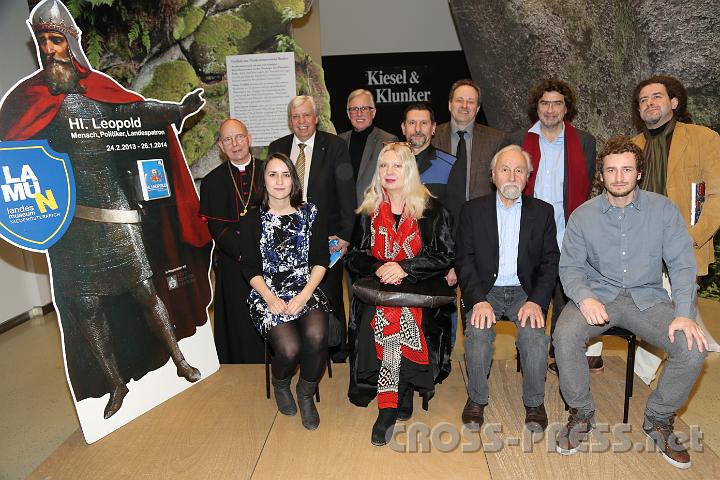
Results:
682 159
480 143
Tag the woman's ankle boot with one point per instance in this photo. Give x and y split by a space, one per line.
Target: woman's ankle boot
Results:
306 403
283 396
383 427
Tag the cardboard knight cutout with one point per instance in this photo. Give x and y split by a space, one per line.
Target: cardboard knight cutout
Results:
94 175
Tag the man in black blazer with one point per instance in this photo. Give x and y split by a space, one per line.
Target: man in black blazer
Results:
327 180
507 263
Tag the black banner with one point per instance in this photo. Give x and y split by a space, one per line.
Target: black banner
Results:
396 80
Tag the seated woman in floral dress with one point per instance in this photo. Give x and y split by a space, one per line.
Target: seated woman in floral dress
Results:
403 236
285 255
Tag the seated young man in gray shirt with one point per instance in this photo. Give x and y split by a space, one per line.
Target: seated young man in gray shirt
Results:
611 268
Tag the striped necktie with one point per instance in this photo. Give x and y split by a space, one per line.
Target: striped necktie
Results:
300 163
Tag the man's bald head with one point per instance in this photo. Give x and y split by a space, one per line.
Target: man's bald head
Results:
234 141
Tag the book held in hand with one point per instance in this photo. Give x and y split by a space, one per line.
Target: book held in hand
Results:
334 256
698 199
153 179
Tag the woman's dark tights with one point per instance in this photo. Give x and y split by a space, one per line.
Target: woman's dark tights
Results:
304 341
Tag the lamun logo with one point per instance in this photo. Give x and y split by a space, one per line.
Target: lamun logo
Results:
37 192
16 189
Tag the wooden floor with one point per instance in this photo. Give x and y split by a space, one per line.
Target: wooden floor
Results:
224 428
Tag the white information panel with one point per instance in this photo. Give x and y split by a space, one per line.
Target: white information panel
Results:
260 86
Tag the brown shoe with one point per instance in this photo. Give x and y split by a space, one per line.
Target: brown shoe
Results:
472 415
573 434
536 418
669 446
553 368
595 364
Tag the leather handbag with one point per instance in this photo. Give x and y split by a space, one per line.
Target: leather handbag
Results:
432 292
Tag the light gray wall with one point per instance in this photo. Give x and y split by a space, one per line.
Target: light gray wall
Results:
24 282
385 26
18 51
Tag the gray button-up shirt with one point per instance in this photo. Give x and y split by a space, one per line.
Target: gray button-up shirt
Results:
607 249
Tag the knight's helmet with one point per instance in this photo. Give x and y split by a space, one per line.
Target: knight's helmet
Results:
52 15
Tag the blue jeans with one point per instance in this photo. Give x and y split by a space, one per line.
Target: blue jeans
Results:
532 344
681 370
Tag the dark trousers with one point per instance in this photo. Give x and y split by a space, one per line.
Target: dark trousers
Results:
333 288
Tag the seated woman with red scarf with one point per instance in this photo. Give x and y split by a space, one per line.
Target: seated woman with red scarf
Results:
403 236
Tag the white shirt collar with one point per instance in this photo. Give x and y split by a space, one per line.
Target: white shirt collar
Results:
309 142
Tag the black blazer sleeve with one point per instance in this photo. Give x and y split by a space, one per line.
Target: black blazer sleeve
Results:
589 147
251 264
468 277
319 249
281 145
438 251
546 272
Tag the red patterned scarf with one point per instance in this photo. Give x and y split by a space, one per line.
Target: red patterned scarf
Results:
578 188
398 330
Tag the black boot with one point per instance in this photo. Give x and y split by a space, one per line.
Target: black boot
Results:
306 403
383 427
405 401
283 396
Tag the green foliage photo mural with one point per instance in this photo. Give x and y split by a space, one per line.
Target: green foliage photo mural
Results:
164 49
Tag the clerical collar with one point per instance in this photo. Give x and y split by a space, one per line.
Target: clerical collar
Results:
241 167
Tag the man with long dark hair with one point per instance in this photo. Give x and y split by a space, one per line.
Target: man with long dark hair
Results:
683 163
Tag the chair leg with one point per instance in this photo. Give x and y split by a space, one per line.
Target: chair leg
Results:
629 377
517 360
317 394
267 371
329 368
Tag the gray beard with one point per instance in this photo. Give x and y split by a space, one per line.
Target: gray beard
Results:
511 192
61 77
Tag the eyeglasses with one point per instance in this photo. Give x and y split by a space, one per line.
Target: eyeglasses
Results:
362 109
400 144
238 138
547 103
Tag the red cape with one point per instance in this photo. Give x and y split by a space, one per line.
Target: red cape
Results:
30 107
